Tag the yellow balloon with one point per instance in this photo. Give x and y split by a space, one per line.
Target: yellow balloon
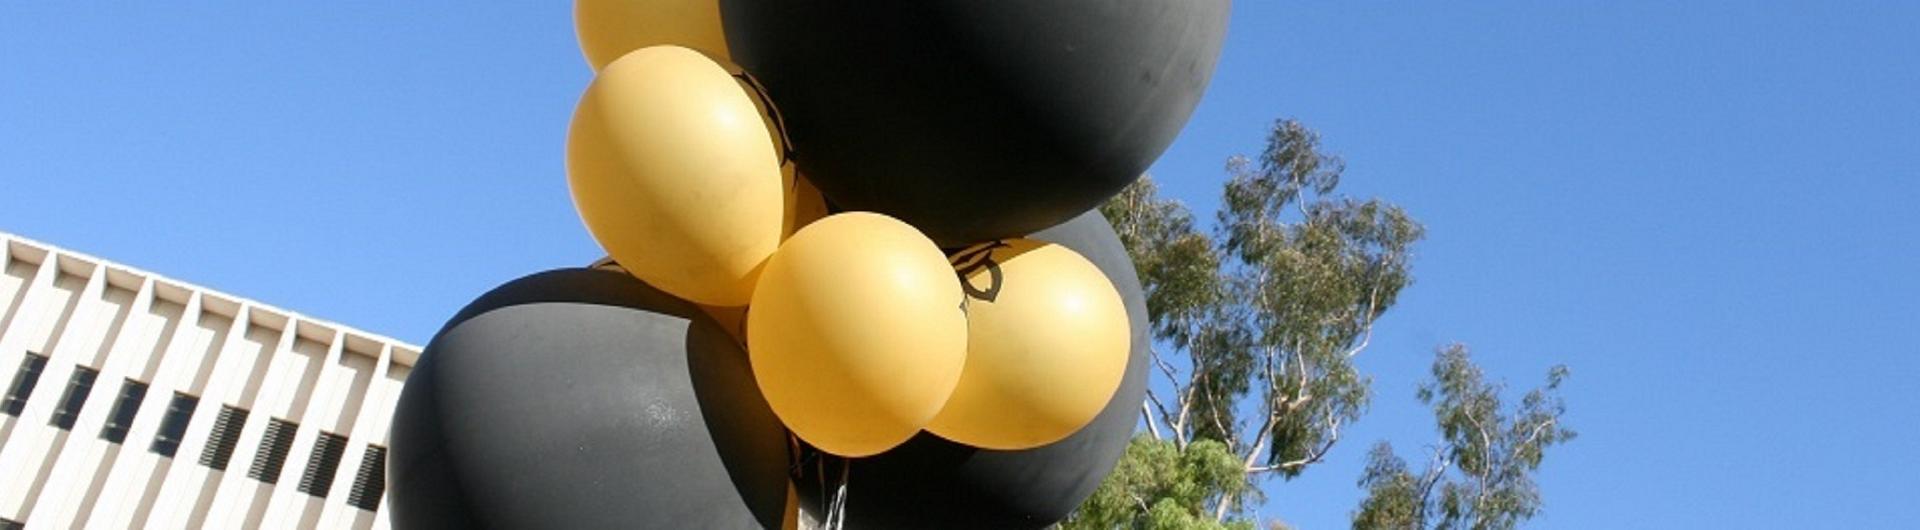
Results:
1047 344
675 174
609 29
856 333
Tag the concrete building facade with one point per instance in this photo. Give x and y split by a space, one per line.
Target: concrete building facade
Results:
136 401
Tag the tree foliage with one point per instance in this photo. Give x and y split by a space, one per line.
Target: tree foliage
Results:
1481 475
1158 486
1257 321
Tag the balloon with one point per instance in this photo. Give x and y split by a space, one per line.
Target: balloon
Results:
930 482
609 29
856 333
978 120
1047 343
676 175
582 398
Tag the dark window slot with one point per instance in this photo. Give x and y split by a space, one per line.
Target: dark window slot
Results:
132 393
23 382
371 480
173 426
75 397
274 446
226 433
323 464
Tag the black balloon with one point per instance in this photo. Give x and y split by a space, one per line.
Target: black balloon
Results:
933 483
977 120
583 398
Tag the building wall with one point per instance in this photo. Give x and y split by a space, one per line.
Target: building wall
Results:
135 401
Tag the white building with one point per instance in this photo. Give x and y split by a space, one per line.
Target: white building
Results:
136 401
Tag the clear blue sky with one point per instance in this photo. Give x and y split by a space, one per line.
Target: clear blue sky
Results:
1707 211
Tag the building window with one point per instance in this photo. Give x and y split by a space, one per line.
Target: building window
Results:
78 387
371 481
323 464
9 524
23 383
128 404
226 433
173 426
273 450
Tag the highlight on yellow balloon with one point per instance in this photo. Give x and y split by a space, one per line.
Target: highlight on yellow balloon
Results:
676 175
805 204
856 334
609 29
1047 343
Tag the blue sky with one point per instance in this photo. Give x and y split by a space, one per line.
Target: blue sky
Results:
1706 210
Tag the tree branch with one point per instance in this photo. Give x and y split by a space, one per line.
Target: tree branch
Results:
1165 415
1300 390
1537 430
1272 408
1312 457
1261 435
1259 442
1432 478
1186 408
1486 461
1147 414
1366 337
1213 413
1260 439
1165 367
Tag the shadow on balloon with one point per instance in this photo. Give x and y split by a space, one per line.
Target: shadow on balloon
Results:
584 398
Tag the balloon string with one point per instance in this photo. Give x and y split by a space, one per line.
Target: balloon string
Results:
837 510
973 256
971 260
796 459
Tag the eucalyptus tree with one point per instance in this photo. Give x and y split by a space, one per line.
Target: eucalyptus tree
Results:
1480 475
1257 319
1257 322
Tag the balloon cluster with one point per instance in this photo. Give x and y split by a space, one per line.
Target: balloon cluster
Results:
944 317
